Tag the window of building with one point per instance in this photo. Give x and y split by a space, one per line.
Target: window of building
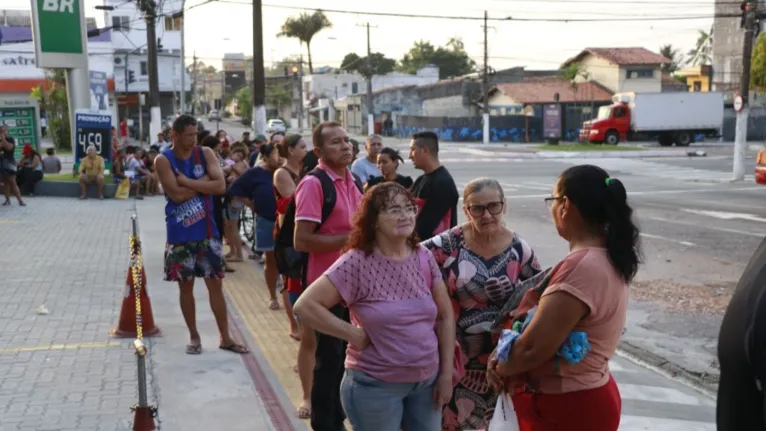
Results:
121 23
144 68
173 23
641 73
697 86
354 87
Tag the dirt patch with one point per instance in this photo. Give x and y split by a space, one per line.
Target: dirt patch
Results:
709 298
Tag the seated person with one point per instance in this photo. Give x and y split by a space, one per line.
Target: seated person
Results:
91 172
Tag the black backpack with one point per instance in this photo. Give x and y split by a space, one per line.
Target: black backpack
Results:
291 262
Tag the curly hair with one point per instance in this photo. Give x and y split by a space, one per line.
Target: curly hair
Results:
365 221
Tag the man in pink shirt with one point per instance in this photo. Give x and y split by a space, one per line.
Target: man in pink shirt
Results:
323 240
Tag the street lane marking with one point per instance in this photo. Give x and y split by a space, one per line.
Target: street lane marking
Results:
645 423
721 229
653 192
70 346
662 238
659 395
723 215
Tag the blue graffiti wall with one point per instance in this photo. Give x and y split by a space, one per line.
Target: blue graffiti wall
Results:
511 128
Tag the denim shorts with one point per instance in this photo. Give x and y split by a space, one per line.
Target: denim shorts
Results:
264 234
375 405
232 210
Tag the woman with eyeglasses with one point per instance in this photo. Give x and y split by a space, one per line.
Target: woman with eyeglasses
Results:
482 261
398 367
586 292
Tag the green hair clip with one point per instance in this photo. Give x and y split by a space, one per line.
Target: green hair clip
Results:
608 182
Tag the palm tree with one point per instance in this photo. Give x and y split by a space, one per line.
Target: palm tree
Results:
304 28
703 51
675 57
572 72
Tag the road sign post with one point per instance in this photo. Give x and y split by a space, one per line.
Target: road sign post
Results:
61 41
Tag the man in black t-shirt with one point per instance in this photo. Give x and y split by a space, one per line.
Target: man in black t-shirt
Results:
435 190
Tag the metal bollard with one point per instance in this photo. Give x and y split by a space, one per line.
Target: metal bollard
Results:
144 413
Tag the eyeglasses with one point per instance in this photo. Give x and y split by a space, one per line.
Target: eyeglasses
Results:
409 210
549 201
494 208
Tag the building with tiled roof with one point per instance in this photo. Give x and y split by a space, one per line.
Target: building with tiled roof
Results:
621 69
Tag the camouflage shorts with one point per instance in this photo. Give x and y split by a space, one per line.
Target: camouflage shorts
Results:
194 259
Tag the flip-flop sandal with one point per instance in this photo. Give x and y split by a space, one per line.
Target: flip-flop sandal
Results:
228 269
193 349
303 413
273 305
295 337
236 348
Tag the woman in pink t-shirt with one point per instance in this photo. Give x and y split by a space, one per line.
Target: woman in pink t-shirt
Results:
588 292
398 369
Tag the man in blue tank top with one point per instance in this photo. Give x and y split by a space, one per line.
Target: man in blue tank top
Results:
190 176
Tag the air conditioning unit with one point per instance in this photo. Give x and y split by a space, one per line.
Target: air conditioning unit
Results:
117 60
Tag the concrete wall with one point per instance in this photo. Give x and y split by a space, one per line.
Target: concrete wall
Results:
449 106
640 85
727 48
601 71
756 124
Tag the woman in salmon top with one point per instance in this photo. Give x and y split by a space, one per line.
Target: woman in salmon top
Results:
588 292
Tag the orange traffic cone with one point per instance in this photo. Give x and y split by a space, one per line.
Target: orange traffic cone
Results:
126 327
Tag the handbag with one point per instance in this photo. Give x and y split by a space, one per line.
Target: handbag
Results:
504 418
458 363
123 189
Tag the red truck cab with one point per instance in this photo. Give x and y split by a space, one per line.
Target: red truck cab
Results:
610 126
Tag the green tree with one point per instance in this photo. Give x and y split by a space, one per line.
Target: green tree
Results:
244 104
758 65
278 96
52 97
571 73
451 59
304 28
702 53
675 57
381 65
278 67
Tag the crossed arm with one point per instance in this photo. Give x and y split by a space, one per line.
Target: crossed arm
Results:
181 188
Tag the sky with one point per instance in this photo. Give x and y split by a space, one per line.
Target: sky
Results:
225 26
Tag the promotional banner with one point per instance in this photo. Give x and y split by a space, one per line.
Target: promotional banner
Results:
552 121
93 129
98 90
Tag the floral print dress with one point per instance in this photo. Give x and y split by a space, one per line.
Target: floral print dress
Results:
478 288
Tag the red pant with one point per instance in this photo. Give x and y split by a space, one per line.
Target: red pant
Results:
591 410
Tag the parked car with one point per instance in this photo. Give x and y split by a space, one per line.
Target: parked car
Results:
275 125
213 115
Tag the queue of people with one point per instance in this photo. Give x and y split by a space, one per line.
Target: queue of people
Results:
396 306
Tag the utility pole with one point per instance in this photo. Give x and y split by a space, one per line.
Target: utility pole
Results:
259 76
300 93
740 137
194 82
370 73
485 83
149 8
182 106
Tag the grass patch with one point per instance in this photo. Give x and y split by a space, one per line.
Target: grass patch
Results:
73 179
588 147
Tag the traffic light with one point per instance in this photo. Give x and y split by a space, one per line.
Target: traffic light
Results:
131 77
295 72
744 8
217 104
159 44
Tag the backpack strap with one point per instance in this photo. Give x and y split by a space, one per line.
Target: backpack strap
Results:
359 183
199 159
329 197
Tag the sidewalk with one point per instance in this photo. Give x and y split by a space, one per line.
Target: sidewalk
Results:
61 371
217 390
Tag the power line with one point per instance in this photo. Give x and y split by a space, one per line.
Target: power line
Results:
478 18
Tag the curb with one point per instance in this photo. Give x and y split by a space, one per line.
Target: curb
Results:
706 384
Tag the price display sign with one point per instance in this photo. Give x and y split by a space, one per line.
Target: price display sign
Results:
22 125
93 129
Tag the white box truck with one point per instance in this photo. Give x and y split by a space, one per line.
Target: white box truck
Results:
670 118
